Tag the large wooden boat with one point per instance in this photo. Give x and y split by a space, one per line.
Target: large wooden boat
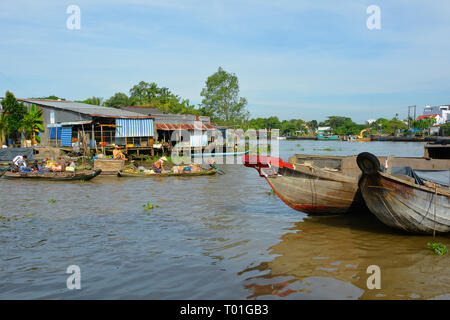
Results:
320 185
84 175
404 201
168 174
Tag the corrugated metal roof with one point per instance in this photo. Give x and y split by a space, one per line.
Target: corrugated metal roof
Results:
89 109
182 126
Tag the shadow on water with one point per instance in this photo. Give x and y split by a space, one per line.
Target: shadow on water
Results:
327 258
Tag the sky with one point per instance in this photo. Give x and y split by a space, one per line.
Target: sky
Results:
294 59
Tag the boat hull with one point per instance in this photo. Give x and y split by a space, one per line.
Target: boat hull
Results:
156 175
406 206
316 195
66 176
323 185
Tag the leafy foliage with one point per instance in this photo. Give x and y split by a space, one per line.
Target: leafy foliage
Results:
149 206
446 129
97 101
221 99
439 248
15 112
3 127
32 123
118 100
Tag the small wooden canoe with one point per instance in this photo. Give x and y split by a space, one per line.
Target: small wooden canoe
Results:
84 175
399 202
155 175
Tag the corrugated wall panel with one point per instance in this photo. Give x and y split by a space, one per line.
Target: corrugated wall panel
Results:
66 136
200 140
134 128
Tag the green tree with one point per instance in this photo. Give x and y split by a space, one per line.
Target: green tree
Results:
221 98
32 123
97 101
446 129
16 112
312 124
149 94
3 127
119 100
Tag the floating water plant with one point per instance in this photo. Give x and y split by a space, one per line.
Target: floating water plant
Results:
271 192
439 248
149 206
52 200
326 149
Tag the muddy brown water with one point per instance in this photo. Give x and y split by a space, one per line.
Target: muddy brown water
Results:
220 237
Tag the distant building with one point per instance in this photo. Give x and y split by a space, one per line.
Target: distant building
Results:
198 128
441 113
66 122
324 129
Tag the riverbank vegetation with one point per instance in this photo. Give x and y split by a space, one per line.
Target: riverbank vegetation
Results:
221 101
16 121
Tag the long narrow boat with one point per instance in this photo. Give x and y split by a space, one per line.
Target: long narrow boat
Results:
84 175
155 175
320 185
403 201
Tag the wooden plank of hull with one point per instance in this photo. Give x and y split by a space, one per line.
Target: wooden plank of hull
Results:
315 195
405 205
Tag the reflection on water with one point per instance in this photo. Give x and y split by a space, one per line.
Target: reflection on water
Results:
327 257
222 237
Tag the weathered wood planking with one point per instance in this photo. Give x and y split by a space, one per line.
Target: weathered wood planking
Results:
109 166
320 185
402 204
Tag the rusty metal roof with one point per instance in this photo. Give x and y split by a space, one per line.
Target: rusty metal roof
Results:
183 126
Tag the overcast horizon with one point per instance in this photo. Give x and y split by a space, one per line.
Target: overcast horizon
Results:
293 59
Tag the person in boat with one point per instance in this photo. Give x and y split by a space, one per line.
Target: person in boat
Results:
71 166
35 167
19 160
117 154
158 165
212 165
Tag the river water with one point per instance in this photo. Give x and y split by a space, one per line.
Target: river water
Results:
220 237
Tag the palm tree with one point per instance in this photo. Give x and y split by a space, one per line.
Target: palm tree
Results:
32 123
3 127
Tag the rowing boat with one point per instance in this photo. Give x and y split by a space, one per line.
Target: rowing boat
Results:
168 174
404 201
84 175
322 185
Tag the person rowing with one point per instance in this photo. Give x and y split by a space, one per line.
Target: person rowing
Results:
212 165
158 165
